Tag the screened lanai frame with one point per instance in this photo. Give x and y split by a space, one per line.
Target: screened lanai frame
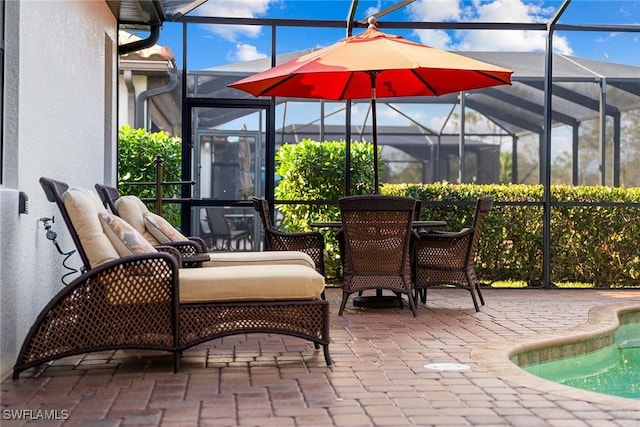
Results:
546 85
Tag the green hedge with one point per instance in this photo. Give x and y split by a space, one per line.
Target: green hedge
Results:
137 152
511 244
312 170
589 243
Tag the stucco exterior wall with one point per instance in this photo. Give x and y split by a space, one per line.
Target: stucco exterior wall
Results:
126 104
60 122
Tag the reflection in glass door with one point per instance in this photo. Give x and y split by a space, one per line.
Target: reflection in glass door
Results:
228 168
228 164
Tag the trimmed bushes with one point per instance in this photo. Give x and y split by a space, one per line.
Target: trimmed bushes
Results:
137 151
593 229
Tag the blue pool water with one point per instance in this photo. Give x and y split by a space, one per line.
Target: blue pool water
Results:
613 370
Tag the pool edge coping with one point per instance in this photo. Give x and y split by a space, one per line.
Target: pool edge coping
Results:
495 356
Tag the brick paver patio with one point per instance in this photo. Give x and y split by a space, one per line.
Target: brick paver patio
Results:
379 376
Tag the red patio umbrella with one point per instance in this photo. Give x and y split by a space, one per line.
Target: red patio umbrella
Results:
374 65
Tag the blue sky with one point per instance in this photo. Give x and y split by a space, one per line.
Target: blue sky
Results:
213 46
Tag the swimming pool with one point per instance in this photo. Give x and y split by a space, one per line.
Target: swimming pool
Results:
606 362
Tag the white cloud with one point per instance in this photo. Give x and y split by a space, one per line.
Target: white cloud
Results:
435 38
231 32
246 52
372 10
235 9
440 10
511 40
518 11
509 11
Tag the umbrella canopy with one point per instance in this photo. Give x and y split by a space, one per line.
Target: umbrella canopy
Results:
374 65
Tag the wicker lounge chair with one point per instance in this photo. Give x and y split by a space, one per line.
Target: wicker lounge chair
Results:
147 301
376 237
448 257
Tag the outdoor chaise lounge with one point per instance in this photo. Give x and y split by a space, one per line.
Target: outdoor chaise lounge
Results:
133 296
310 243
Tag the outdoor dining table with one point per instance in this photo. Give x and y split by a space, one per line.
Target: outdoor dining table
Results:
378 300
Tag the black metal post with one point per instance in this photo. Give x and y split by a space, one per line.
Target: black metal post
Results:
159 162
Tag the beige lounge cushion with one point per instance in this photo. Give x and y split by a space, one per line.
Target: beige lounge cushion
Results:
221 259
132 210
161 229
123 236
255 283
83 208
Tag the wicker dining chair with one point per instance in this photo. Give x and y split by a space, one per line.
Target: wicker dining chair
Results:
376 239
309 242
447 258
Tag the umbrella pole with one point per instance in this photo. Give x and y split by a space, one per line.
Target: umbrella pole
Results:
374 132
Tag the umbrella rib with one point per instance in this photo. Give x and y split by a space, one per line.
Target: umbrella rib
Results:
491 76
424 82
346 85
278 83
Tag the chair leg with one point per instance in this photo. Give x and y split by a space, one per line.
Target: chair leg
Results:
479 293
327 357
345 297
420 294
400 302
412 305
176 361
473 296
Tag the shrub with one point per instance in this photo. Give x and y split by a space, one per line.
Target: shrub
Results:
593 230
312 170
137 154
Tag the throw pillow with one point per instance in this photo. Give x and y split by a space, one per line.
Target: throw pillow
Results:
161 229
124 238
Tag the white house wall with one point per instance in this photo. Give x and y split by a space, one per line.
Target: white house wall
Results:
127 104
60 122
